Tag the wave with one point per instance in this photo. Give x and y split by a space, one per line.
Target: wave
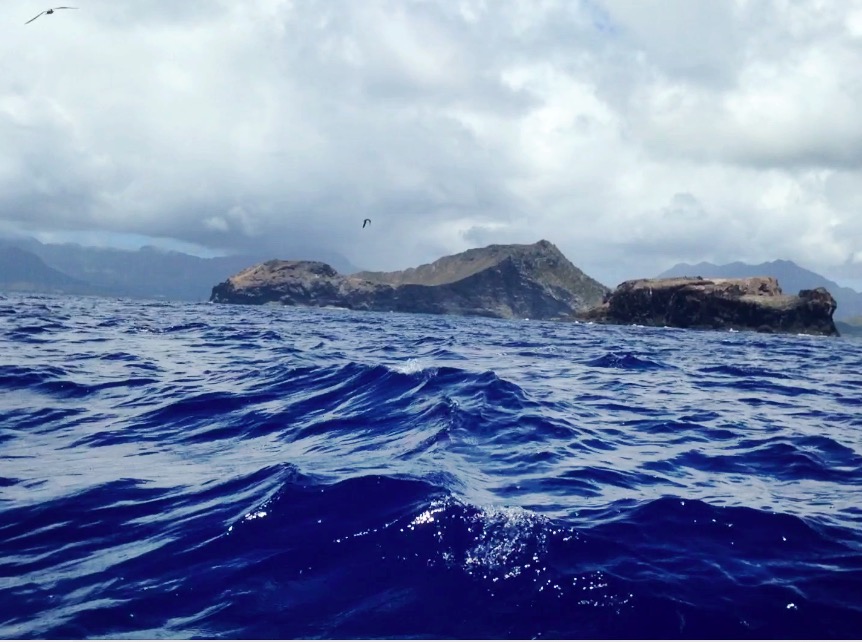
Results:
383 557
625 361
180 471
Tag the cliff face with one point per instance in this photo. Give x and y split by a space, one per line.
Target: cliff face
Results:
755 303
504 281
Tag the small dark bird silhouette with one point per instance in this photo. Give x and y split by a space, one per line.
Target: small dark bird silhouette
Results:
48 12
366 222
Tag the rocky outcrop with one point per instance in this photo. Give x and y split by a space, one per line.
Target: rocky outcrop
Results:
755 303
504 281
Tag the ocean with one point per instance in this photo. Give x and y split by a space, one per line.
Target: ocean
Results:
182 470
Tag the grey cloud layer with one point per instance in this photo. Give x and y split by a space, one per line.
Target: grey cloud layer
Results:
631 134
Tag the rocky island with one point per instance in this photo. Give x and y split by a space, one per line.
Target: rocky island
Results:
536 282
755 303
504 281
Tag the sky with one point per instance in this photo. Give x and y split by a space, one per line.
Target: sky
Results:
633 135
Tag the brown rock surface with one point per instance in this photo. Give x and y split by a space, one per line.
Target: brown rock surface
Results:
755 303
505 281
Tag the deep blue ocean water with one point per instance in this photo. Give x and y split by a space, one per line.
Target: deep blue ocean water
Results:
195 470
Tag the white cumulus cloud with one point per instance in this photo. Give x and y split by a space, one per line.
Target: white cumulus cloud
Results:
632 134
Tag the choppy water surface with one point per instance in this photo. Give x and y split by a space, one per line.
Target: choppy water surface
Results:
180 470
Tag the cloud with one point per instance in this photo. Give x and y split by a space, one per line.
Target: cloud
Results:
631 134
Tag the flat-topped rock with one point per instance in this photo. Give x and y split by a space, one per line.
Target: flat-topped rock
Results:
755 303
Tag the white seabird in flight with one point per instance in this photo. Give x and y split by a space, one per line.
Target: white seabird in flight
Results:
48 12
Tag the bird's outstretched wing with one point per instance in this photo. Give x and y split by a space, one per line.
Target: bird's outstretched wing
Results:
52 10
32 19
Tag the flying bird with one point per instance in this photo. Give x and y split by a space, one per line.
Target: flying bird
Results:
366 222
48 12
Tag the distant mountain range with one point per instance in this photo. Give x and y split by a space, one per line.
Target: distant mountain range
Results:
29 265
791 277
23 271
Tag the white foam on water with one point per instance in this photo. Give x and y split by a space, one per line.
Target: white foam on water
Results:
411 366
